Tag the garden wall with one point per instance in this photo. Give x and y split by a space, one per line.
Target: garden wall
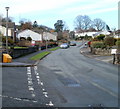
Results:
17 52
100 51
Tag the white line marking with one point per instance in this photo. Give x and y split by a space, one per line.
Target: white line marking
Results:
45 93
46 96
30 83
106 90
37 77
41 83
19 99
29 79
33 95
43 89
50 104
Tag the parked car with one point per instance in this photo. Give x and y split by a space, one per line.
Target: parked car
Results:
64 45
72 43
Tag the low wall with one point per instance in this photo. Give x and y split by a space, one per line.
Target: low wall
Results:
99 51
17 52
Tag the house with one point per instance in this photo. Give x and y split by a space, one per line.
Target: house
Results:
102 32
3 31
93 34
29 33
85 33
11 29
50 36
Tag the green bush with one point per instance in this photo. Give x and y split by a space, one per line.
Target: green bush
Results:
109 41
98 44
118 43
101 37
29 38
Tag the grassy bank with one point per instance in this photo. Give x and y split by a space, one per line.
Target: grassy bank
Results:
40 55
53 49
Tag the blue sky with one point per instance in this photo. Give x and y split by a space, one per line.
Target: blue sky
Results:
47 12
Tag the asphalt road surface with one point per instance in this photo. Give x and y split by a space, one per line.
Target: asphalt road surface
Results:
65 78
73 80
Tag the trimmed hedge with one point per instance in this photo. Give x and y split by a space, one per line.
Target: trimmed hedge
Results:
98 44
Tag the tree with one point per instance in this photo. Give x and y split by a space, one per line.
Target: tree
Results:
9 19
107 28
35 24
27 25
82 23
59 25
99 24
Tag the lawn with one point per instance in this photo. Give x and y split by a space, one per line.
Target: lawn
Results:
53 49
40 55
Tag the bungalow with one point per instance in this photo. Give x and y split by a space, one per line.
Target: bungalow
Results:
102 32
50 36
93 34
29 33
85 33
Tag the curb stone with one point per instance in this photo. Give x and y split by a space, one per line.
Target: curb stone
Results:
17 64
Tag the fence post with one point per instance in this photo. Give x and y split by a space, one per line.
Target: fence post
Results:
113 58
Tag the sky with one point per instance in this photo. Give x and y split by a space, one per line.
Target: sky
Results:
47 12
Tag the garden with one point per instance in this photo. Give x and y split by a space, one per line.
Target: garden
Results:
102 45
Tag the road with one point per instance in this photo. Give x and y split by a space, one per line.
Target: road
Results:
65 78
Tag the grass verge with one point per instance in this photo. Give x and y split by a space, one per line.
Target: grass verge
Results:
53 49
40 55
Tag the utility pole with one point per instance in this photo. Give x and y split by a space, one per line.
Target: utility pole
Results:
7 8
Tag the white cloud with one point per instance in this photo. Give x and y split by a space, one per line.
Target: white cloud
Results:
26 6
100 6
29 6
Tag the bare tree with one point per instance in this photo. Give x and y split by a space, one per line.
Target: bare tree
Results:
99 24
82 23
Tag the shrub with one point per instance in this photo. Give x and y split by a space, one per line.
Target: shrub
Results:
101 37
118 43
29 38
22 38
10 41
98 44
109 41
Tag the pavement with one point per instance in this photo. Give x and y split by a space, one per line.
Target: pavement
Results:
25 61
86 52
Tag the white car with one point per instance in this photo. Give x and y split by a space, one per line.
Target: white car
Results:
64 45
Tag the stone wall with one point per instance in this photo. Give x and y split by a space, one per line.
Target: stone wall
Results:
99 51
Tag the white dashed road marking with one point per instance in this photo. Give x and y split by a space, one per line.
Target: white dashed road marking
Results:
45 93
19 99
30 82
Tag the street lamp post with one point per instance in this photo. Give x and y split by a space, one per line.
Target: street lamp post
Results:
7 8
